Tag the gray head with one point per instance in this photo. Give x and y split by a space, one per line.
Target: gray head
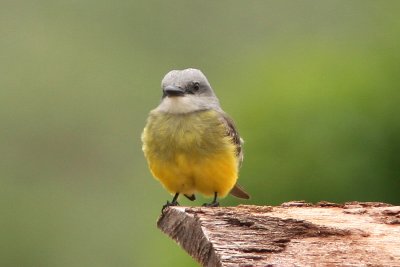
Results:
188 81
186 91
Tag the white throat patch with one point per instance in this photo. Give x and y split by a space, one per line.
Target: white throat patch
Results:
180 104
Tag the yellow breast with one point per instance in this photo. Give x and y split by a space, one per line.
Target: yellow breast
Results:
190 153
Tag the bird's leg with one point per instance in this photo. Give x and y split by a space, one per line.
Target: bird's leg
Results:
214 203
174 202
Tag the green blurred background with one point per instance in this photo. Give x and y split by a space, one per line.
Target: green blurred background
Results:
312 85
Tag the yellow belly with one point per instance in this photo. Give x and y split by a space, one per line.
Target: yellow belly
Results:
191 155
188 175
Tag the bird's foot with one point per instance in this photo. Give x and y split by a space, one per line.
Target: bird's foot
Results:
212 204
174 202
169 204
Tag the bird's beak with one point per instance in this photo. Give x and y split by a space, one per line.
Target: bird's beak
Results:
172 90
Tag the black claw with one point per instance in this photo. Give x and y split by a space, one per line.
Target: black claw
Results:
169 204
214 203
174 202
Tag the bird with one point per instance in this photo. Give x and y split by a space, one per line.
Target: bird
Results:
191 145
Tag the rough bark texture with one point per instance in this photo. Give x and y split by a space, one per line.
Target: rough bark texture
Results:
292 234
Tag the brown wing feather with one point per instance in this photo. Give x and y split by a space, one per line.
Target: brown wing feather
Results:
234 134
231 131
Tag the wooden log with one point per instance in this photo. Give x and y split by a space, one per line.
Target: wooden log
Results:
292 234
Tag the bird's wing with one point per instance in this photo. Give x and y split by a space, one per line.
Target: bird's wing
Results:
233 133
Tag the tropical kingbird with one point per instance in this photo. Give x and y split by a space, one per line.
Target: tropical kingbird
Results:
190 143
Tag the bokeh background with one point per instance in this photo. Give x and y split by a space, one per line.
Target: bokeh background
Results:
312 85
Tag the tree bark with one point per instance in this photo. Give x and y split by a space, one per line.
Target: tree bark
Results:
292 234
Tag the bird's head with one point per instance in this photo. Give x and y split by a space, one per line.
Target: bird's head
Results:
186 91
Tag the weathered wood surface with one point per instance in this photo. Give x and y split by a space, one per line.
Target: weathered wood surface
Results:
292 234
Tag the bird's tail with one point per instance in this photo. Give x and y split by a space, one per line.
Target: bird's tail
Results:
239 192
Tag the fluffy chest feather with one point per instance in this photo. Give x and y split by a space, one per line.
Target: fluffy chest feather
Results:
197 133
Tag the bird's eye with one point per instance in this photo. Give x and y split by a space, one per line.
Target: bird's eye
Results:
196 86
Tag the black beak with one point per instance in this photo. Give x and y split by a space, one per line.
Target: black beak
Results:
172 90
